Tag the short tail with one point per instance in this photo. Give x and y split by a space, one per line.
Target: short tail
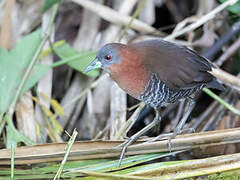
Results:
215 85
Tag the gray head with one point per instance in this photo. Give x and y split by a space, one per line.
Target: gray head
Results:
106 56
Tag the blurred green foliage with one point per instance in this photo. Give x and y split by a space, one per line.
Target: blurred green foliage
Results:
77 60
13 64
48 4
235 8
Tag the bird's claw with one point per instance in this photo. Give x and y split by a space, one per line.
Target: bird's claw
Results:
191 130
133 138
175 133
124 146
172 136
169 144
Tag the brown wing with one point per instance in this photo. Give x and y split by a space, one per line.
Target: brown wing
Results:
177 66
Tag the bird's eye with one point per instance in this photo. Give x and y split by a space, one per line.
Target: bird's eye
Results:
108 58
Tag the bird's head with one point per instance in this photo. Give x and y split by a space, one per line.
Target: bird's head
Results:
106 57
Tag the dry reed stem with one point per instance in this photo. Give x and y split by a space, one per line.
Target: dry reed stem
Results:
226 78
202 20
6 25
106 149
117 110
25 116
115 17
45 83
228 53
112 33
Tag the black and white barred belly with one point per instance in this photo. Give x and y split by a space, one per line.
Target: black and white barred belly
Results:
157 94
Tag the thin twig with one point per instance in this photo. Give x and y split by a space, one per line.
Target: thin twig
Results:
94 84
115 17
224 39
212 118
133 107
111 34
204 115
125 128
202 20
136 13
228 53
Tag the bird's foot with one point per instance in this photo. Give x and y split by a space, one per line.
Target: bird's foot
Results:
124 146
126 141
133 138
178 132
171 136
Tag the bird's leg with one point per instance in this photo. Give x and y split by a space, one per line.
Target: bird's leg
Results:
178 130
189 108
167 135
133 138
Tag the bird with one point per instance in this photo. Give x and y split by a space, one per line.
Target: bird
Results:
157 72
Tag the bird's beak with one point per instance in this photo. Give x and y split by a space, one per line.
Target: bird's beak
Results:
93 65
